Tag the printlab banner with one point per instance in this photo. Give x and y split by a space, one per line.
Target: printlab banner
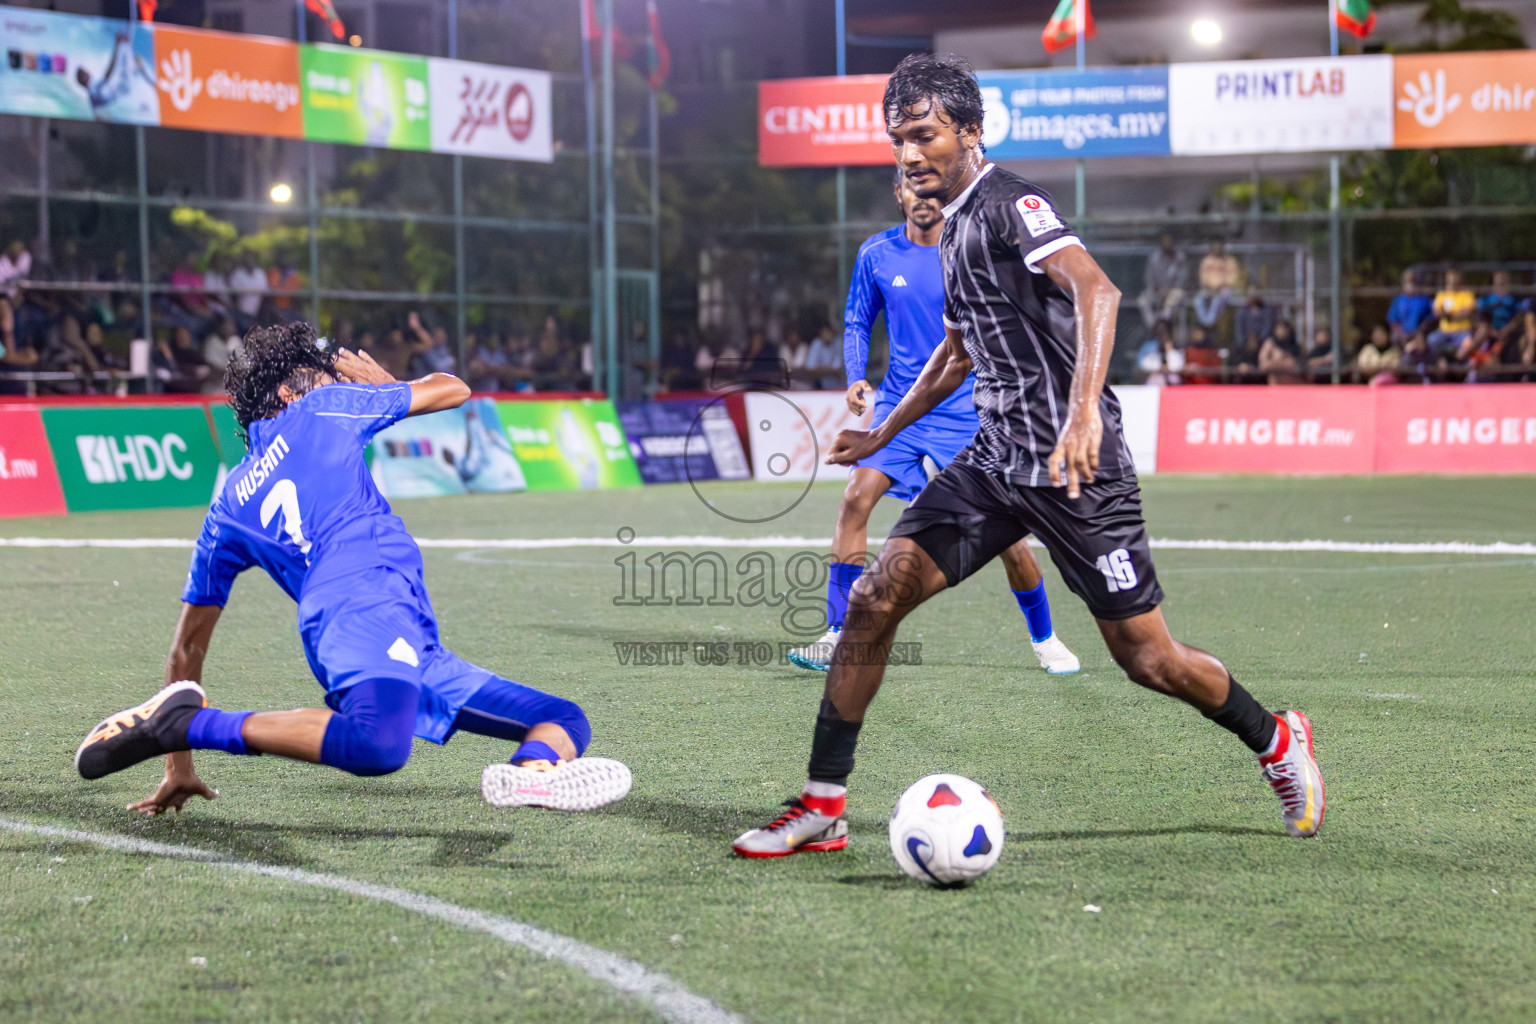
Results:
75 67
1044 115
683 439
569 445
365 97
1280 106
457 451
108 457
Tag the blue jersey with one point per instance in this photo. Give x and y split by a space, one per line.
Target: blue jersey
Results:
301 504
905 280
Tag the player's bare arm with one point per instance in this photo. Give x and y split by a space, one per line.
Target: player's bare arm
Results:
1096 301
947 369
432 393
194 631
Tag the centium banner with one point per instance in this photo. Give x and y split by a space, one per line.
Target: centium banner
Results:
365 97
569 445
156 456
1046 115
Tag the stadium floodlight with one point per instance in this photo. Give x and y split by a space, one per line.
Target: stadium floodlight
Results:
355 40
281 193
1205 32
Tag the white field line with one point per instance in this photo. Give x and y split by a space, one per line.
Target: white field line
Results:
670 1000
817 543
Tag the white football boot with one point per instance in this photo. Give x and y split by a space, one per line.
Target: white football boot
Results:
800 829
815 656
1054 656
580 785
1292 773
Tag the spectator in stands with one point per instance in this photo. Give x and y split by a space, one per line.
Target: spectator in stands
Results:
1255 321
1221 277
431 352
796 352
15 267
490 367
1523 345
1319 358
1410 310
284 279
20 350
391 352
1162 291
825 360
556 364
248 284
1454 305
1419 360
1503 309
1378 359
216 287
221 345
1164 361
1482 351
760 362
676 372
1280 358
1202 360
188 305
68 352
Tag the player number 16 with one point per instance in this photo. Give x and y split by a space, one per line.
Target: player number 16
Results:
1118 571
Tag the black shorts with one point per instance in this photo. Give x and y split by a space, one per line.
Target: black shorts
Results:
965 518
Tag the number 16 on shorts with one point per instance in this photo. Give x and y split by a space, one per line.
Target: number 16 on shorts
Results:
1118 571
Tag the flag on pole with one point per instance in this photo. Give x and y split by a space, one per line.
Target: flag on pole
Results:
147 10
591 31
659 57
1061 31
326 12
1354 17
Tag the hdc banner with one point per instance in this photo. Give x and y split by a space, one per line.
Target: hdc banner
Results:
1280 106
132 456
569 445
1043 115
29 482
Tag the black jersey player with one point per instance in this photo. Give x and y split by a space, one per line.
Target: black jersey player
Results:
1030 311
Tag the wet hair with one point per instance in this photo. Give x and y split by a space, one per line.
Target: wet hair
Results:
924 79
268 358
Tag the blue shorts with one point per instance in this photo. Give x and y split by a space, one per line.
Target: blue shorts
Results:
378 624
939 438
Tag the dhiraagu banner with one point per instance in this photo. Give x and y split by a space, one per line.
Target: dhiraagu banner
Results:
147 456
365 97
569 445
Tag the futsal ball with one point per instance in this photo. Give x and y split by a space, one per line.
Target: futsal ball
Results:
946 830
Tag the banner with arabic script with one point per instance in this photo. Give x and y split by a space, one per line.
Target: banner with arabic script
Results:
486 110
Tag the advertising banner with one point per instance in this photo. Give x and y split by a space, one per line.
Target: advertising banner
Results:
822 122
483 110
159 456
222 82
1257 429
1140 405
1280 106
365 97
457 451
1044 115
683 439
1475 428
29 482
85 69
792 431
1465 99
569 445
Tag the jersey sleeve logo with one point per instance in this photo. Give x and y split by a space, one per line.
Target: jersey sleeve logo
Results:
1039 218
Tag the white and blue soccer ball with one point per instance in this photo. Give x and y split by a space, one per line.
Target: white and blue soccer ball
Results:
946 830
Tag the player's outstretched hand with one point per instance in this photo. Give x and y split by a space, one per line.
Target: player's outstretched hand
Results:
851 446
1077 452
178 786
360 368
857 403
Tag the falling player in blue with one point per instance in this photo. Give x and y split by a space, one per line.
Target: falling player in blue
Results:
898 271
302 506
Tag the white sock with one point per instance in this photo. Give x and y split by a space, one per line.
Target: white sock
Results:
1274 741
825 790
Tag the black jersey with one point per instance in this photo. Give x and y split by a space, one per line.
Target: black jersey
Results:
1019 328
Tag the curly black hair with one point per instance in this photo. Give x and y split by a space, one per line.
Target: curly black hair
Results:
923 79
270 357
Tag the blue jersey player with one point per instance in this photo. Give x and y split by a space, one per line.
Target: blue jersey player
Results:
302 506
898 271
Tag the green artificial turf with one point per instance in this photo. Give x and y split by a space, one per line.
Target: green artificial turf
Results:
1417 902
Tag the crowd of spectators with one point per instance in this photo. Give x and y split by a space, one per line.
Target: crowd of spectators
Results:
1225 331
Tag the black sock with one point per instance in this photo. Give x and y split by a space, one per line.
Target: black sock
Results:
1242 715
832 746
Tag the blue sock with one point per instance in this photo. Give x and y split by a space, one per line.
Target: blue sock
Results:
212 729
535 750
840 579
1037 611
